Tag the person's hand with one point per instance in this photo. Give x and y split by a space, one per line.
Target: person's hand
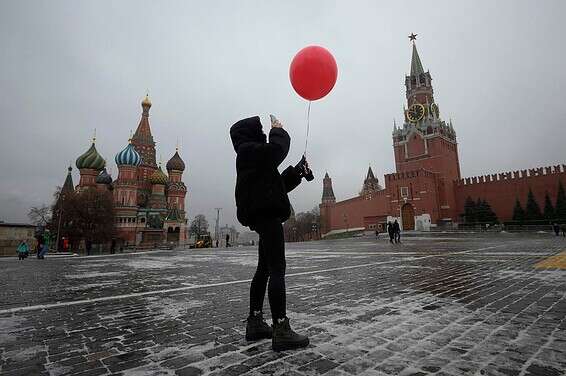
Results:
303 169
275 123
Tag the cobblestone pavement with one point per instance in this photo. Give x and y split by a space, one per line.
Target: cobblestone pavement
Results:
442 305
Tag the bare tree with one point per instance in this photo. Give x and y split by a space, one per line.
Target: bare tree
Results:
40 215
199 225
87 215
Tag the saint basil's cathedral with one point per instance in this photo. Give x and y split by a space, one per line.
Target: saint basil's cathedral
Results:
427 190
149 204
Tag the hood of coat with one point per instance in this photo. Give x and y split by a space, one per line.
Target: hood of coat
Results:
247 130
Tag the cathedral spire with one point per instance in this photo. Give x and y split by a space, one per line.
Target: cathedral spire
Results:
143 139
143 132
416 65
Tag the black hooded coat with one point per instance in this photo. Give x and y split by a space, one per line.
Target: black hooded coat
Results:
261 191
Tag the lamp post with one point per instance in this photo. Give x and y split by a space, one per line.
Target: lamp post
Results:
59 224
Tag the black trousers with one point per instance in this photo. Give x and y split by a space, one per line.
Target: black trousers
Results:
270 267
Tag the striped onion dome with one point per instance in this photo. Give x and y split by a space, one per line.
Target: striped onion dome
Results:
104 177
129 156
158 177
91 159
175 163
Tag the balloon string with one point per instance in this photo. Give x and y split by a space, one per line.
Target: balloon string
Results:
308 128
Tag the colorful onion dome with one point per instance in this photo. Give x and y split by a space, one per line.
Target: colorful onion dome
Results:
129 156
91 159
158 177
146 102
175 163
104 178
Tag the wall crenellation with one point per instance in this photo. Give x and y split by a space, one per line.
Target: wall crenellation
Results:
513 175
408 174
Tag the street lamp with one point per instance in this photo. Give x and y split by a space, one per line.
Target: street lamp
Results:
314 229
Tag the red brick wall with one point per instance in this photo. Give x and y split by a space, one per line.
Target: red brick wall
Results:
356 209
422 194
502 193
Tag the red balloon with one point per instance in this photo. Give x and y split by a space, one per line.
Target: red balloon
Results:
313 72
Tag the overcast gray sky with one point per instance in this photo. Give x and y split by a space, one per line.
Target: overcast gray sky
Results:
67 67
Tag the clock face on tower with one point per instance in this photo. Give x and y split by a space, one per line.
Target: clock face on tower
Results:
415 112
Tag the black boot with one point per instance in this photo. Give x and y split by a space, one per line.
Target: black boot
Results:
284 338
257 328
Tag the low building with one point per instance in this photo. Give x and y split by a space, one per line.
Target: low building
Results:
11 234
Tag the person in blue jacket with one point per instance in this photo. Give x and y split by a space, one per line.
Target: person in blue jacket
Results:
23 250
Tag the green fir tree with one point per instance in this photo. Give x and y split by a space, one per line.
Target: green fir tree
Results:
518 212
560 207
480 211
470 210
532 210
548 208
490 216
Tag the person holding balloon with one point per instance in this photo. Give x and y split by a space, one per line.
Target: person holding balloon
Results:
262 200
263 205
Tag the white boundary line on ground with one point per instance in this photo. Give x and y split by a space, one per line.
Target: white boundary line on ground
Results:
194 287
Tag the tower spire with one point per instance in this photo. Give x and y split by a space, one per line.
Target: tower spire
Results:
68 185
416 65
327 191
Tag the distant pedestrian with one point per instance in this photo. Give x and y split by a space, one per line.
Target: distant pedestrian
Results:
397 231
113 246
38 245
227 240
376 233
390 231
263 205
65 244
44 245
563 227
88 246
556 229
22 250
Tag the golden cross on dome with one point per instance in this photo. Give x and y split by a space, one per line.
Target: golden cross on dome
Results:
413 37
